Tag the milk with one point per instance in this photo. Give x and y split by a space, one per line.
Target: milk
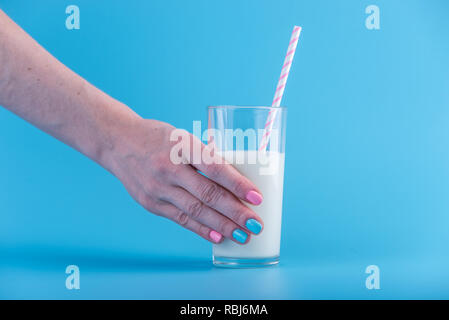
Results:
266 171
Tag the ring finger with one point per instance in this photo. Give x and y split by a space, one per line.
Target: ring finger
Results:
204 214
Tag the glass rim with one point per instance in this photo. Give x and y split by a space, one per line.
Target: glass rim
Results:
245 107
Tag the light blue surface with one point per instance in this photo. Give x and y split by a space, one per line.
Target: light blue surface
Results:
367 167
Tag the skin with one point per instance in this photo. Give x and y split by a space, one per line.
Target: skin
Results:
38 88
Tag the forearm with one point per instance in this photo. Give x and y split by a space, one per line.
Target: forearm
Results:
38 88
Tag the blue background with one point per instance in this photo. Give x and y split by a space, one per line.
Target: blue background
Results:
367 171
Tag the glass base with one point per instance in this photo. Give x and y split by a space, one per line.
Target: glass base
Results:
226 262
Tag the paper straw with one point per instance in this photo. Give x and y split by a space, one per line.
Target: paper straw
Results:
280 87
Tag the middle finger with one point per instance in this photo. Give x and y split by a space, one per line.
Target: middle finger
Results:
219 198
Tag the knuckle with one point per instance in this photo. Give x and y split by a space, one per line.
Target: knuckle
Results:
145 200
203 231
226 227
149 188
239 216
163 167
142 199
182 218
164 170
216 170
150 204
161 164
195 209
152 188
175 169
211 193
239 187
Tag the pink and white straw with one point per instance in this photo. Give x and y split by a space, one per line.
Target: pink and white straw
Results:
280 87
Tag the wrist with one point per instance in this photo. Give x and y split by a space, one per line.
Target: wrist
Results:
115 135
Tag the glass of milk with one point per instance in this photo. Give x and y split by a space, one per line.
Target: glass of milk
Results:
237 133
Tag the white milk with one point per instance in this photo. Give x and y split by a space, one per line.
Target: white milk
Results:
269 178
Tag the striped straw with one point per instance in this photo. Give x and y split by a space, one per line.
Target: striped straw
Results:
280 87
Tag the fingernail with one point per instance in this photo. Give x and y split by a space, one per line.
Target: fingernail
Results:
253 225
239 235
215 236
254 197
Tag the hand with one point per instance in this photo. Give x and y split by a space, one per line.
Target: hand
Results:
208 206
38 88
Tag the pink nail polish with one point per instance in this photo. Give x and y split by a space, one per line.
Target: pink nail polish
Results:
254 197
215 236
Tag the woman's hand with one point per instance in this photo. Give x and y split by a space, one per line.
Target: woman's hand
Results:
41 90
208 206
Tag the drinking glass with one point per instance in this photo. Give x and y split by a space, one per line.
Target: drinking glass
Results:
252 139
